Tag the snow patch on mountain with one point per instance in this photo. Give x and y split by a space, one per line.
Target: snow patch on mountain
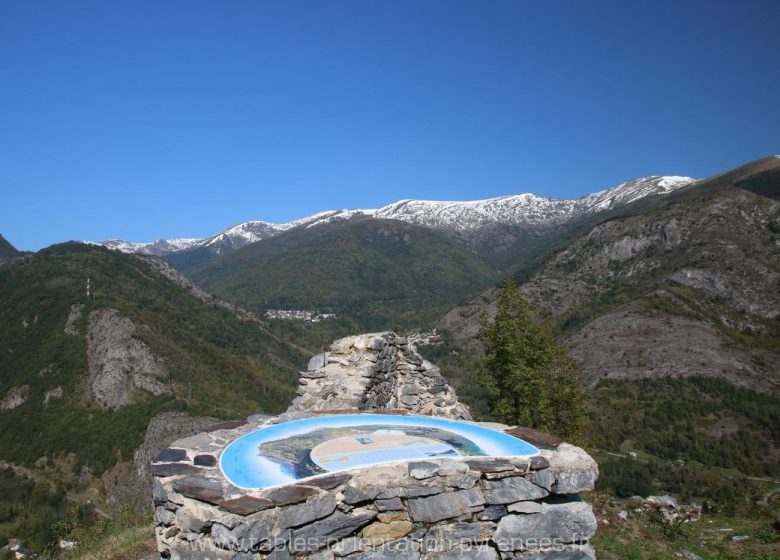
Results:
460 217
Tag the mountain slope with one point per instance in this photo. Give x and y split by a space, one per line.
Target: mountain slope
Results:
375 272
84 375
6 249
687 286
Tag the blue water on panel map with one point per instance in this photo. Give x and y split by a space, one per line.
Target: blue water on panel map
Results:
250 463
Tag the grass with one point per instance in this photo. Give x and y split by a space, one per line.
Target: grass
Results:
640 538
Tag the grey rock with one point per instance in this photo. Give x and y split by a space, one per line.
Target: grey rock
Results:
329 530
301 514
256 536
202 549
169 455
163 516
538 463
509 490
246 505
317 362
543 478
573 482
409 389
444 506
449 536
409 400
199 488
490 465
492 513
291 494
329 482
190 522
192 442
355 494
481 552
410 491
406 549
347 546
164 470
452 466
422 469
526 507
392 504
564 523
205 461
570 552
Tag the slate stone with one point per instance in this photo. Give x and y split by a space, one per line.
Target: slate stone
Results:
544 478
355 494
226 425
246 505
571 552
422 469
347 546
564 523
163 516
190 522
199 488
490 465
317 362
329 530
291 494
256 536
482 552
526 507
392 504
205 461
409 400
492 513
402 549
452 466
575 481
173 469
535 437
301 514
444 506
538 463
409 389
509 490
169 455
159 494
443 537
192 441
329 482
410 491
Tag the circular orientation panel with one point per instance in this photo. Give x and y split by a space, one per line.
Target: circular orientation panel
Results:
298 450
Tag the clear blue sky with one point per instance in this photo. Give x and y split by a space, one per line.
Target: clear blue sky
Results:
151 119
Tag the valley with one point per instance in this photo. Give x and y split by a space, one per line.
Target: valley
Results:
664 289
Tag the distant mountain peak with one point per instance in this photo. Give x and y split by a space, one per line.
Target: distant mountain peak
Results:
460 217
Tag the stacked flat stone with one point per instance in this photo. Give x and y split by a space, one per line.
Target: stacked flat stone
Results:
484 508
376 372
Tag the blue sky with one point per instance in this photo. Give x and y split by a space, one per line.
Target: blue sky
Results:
146 119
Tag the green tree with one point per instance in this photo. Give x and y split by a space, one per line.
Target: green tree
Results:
531 380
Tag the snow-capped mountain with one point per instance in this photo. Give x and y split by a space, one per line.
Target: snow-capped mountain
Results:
453 217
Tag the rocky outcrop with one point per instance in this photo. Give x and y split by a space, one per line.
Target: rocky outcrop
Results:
16 396
119 364
483 508
73 316
376 372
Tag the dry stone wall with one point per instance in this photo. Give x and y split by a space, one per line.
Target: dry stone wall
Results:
483 508
376 372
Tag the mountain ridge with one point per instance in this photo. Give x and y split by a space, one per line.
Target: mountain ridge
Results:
459 217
